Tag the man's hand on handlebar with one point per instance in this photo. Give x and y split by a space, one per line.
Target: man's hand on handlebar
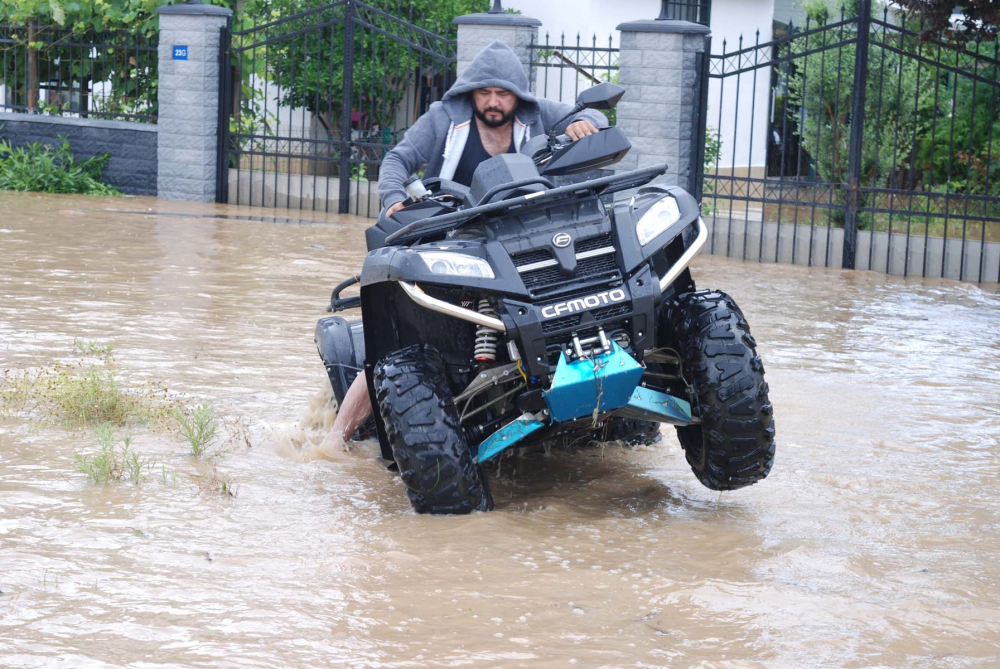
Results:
580 129
393 209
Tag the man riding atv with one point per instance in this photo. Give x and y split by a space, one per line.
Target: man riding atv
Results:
488 111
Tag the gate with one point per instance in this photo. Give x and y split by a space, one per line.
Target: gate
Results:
852 142
560 71
313 101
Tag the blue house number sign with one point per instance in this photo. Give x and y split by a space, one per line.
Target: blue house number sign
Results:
180 53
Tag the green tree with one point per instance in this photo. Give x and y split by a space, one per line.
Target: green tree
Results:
979 19
41 31
304 57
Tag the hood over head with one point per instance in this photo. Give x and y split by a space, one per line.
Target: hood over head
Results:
496 65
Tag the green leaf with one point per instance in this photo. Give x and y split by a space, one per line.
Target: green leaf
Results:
58 13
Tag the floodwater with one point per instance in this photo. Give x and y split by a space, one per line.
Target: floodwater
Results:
875 542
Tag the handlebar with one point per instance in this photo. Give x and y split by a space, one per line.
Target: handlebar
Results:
514 184
602 185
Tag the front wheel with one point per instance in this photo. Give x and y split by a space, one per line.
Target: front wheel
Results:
425 434
733 447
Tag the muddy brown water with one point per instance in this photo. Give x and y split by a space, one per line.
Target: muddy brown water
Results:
875 542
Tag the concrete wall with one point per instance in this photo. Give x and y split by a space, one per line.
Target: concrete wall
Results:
300 191
819 247
132 168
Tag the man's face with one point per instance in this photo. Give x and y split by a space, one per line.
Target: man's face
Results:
494 106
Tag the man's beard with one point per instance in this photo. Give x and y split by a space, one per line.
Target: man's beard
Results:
494 123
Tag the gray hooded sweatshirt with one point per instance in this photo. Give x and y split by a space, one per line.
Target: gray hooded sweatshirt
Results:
438 138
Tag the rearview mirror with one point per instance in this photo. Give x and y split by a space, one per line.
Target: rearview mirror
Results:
601 96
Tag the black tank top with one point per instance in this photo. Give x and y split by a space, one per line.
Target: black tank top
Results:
474 154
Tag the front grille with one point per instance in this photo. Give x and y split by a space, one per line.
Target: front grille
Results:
610 312
530 257
599 242
551 281
548 327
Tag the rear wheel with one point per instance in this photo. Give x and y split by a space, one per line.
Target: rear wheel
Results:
733 447
425 434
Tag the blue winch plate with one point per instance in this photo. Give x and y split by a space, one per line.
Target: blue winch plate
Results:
588 385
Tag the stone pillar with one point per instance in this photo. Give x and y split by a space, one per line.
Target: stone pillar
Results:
659 67
188 119
476 31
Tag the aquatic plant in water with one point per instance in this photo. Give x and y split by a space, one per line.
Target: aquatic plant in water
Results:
198 427
91 391
113 461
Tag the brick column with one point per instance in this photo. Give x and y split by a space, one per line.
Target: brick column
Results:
476 31
188 99
659 67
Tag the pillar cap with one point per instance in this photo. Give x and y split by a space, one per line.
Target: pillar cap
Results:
194 8
490 19
665 26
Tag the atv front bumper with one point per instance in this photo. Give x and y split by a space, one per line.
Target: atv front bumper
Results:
592 386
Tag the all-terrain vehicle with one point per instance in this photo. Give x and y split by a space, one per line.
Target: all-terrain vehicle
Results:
517 311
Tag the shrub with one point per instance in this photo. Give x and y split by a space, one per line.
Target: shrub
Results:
43 168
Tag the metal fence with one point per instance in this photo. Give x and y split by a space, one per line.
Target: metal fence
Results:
314 100
560 71
854 143
104 75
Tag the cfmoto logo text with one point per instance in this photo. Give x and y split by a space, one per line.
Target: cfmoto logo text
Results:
562 240
583 303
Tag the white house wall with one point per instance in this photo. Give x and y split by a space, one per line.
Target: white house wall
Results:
586 17
744 137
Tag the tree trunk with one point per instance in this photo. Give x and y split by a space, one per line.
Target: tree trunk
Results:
32 68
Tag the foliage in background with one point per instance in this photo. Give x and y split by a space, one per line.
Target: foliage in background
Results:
713 149
135 16
925 128
47 169
980 19
307 69
41 31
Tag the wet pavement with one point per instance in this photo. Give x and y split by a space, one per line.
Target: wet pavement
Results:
875 542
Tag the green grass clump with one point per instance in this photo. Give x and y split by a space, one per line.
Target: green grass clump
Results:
198 427
89 392
47 169
113 461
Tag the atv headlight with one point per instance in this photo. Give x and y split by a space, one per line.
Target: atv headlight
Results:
657 218
443 263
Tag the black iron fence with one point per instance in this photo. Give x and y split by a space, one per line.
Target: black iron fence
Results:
104 75
850 142
559 71
314 100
